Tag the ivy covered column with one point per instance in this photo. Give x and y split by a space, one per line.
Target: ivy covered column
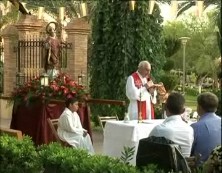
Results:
121 38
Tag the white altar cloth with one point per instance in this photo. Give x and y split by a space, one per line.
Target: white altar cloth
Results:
118 134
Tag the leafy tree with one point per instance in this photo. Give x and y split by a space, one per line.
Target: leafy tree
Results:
121 38
10 17
169 65
173 44
169 80
202 48
187 4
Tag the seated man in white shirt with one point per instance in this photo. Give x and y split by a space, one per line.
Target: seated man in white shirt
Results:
70 128
173 127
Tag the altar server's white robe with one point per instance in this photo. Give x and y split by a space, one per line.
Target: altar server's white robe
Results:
70 130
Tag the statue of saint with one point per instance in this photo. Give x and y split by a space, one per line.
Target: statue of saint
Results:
52 46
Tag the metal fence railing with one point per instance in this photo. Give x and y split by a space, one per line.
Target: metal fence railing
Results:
31 54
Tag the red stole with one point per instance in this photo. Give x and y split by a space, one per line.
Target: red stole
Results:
142 104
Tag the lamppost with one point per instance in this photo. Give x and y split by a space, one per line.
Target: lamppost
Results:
184 42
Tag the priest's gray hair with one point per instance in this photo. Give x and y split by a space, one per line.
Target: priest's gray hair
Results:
143 64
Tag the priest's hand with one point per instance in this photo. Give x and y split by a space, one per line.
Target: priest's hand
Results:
151 91
149 85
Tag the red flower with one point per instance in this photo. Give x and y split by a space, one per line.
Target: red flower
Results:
60 88
66 90
72 83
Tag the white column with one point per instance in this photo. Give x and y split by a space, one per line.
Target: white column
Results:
151 6
199 8
40 12
174 9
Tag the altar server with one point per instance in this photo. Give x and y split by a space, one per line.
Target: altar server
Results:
70 128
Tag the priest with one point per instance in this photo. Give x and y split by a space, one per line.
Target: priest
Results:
141 91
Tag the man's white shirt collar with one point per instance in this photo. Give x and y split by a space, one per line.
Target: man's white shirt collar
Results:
173 117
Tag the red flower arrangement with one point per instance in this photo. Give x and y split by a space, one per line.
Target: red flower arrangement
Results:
60 88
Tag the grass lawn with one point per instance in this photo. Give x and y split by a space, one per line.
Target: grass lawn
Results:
191 101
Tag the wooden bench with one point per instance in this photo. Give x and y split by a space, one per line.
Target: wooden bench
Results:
11 132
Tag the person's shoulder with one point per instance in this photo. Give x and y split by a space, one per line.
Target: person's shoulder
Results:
186 124
154 130
217 117
160 127
62 116
66 113
196 124
163 130
134 74
75 114
130 78
189 127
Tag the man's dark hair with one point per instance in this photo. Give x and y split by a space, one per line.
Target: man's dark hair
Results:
175 103
208 101
70 101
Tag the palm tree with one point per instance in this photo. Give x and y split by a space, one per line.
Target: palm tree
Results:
186 5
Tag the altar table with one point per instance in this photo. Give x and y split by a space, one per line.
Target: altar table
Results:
118 134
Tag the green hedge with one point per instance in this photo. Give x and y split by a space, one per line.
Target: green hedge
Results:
192 91
18 156
70 160
22 157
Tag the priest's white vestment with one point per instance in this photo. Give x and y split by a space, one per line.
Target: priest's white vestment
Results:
134 93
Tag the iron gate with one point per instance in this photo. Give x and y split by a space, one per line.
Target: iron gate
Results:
31 55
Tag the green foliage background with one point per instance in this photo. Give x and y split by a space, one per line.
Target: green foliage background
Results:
121 38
